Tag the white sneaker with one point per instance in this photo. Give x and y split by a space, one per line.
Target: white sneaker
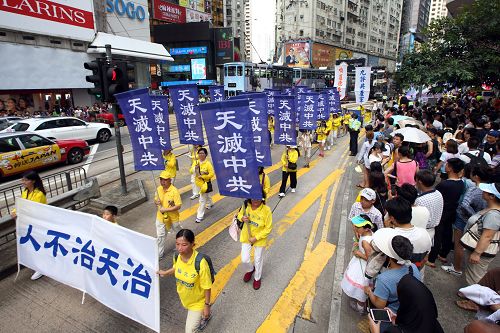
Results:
281 195
36 276
293 190
194 196
451 270
209 206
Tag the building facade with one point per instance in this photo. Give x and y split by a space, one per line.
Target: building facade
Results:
343 27
414 19
438 10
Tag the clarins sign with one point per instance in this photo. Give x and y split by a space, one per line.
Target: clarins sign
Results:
59 18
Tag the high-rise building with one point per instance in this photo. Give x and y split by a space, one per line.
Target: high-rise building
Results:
414 19
235 18
338 29
438 10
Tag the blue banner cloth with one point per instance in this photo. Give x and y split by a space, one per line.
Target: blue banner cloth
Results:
232 146
159 106
270 93
284 110
308 111
333 100
185 101
322 106
138 113
216 93
258 114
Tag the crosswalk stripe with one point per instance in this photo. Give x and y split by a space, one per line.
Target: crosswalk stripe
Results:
288 306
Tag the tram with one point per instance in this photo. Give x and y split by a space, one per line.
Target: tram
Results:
312 77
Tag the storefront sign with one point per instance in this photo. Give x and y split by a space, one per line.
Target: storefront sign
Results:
168 12
198 69
323 55
198 5
224 45
122 8
49 18
188 50
341 54
196 16
178 68
298 54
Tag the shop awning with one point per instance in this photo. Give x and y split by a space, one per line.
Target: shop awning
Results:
129 47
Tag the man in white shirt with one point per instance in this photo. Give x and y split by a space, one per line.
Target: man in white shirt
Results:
473 144
420 215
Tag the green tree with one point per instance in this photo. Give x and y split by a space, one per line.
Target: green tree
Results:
459 51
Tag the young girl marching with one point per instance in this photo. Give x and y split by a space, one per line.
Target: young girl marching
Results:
354 277
321 137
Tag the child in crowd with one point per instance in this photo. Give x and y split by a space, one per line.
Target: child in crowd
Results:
109 214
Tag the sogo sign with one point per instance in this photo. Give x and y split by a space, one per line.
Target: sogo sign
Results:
121 7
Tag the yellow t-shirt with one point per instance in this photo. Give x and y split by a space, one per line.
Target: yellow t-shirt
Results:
206 172
270 125
194 160
267 183
346 119
329 125
321 133
168 198
261 224
36 195
170 163
191 286
336 123
293 156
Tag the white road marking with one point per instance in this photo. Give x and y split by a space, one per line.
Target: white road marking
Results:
90 157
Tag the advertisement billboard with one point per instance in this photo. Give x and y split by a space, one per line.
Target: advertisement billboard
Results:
198 69
196 16
298 54
188 50
198 5
66 19
323 55
342 54
168 12
224 45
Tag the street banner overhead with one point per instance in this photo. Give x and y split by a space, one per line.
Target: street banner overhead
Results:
185 100
76 249
284 120
261 139
58 18
232 146
136 106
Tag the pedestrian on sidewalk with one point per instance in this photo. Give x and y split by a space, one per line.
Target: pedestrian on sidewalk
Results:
404 169
354 279
168 202
194 278
306 143
289 160
194 162
170 163
109 213
353 127
204 172
258 223
451 152
33 191
363 157
430 198
366 206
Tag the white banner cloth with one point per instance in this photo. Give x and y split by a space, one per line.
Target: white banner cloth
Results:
362 84
115 265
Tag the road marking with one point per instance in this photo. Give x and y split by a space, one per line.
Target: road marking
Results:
287 221
90 157
288 306
315 225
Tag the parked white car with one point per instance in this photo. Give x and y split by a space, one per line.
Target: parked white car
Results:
63 128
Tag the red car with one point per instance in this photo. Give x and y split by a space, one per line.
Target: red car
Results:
107 118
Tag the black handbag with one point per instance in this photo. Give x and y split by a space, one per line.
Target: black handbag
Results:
209 187
291 166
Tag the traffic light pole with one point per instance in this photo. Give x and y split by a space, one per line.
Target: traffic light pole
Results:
119 147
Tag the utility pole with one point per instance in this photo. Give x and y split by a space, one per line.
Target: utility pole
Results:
119 147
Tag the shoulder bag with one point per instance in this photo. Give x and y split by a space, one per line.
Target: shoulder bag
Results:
471 237
291 165
237 225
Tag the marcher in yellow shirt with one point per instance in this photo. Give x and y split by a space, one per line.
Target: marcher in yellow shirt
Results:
270 128
329 134
321 137
194 286
345 120
264 181
170 163
194 161
204 172
258 224
336 124
168 200
33 191
289 160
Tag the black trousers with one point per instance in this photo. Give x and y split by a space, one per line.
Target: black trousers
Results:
443 238
284 179
353 142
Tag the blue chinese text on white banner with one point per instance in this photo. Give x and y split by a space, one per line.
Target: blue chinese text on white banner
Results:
159 106
185 101
232 146
113 264
308 114
362 84
137 109
258 114
284 122
216 93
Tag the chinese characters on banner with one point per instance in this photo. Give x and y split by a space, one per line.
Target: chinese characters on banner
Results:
232 145
270 93
333 100
362 84
258 114
341 79
216 93
284 122
309 110
322 106
185 101
301 89
136 107
119 270
159 106
288 91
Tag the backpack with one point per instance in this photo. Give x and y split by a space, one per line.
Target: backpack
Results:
421 160
477 160
197 263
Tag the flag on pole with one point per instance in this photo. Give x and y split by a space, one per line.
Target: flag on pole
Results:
284 110
185 101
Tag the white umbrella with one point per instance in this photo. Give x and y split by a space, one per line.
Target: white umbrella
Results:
412 134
